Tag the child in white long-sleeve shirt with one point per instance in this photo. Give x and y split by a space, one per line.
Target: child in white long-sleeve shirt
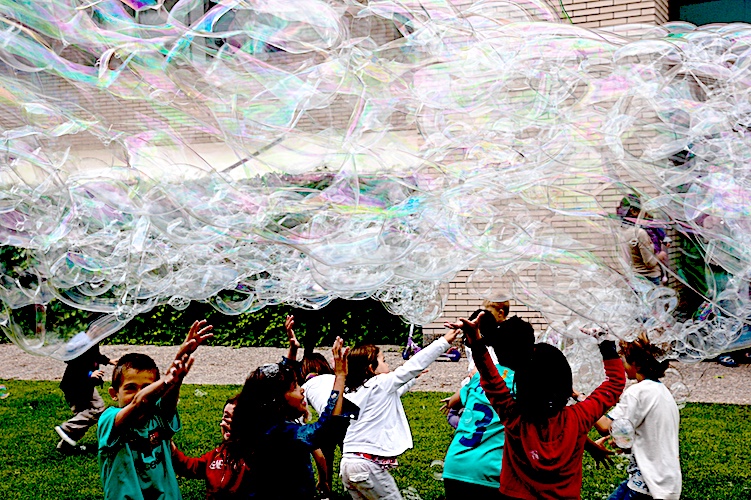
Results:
655 469
381 432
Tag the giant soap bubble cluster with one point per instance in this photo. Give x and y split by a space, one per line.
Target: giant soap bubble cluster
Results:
297 151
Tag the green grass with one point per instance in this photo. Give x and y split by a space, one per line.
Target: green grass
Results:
715 461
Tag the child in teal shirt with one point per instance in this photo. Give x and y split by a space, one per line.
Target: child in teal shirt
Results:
134 438
472 468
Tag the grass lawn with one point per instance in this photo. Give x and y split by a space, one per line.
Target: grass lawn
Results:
714 458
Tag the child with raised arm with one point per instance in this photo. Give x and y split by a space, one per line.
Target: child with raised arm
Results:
381 432
134 437
223 472
654 470
268 434
545 439
472 467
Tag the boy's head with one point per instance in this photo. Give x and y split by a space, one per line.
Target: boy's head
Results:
545 384
315 363
513 342
640 359
499 310
132 373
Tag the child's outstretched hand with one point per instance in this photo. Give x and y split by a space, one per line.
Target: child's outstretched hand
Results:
598 333
471 329
178 370
196 335
340 357
600 454
294 345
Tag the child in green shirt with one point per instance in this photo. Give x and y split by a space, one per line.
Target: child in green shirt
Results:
134 437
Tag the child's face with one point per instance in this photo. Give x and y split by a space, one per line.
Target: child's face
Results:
295 398
382 366
133 381
225 424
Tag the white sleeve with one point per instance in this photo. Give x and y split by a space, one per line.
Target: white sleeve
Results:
629 408
406 387
413 367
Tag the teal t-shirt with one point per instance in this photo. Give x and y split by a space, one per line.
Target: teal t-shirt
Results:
137 464
475 454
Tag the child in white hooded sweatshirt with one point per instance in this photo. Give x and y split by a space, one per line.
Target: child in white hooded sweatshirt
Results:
381 432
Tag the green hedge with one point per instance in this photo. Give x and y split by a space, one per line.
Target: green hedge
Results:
356 321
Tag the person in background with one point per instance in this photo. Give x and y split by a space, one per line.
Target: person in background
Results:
79 385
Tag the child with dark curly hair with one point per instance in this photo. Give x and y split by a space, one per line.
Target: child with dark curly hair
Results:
654 470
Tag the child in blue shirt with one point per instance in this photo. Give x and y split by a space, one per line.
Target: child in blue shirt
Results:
134 437
268 433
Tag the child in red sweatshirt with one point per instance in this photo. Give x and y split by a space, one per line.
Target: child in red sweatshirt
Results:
224 474
544 437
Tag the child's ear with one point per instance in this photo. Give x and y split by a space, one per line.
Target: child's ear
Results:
113 393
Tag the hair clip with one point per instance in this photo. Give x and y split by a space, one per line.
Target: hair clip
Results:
269 370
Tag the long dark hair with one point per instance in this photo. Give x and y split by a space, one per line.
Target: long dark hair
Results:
261 406
362 362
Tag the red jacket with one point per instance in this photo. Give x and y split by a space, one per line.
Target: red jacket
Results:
545 461
222 481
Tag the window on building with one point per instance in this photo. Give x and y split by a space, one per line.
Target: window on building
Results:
701 12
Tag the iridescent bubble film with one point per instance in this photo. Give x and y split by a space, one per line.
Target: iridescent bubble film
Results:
622 432
253 154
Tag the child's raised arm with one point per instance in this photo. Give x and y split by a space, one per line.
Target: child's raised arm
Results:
491 381
606 395
340 372
294 344
312 435
393 381
142 404
198 333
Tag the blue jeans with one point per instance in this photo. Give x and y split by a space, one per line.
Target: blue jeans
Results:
623 492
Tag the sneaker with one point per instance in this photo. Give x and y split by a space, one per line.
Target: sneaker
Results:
727 361
67 449
64 436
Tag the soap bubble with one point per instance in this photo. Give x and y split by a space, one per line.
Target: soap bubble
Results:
622 432
675 383
437 467
410 493
253 154
4 393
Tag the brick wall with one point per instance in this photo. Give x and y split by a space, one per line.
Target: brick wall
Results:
603 13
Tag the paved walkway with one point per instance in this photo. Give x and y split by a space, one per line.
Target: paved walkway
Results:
708 382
